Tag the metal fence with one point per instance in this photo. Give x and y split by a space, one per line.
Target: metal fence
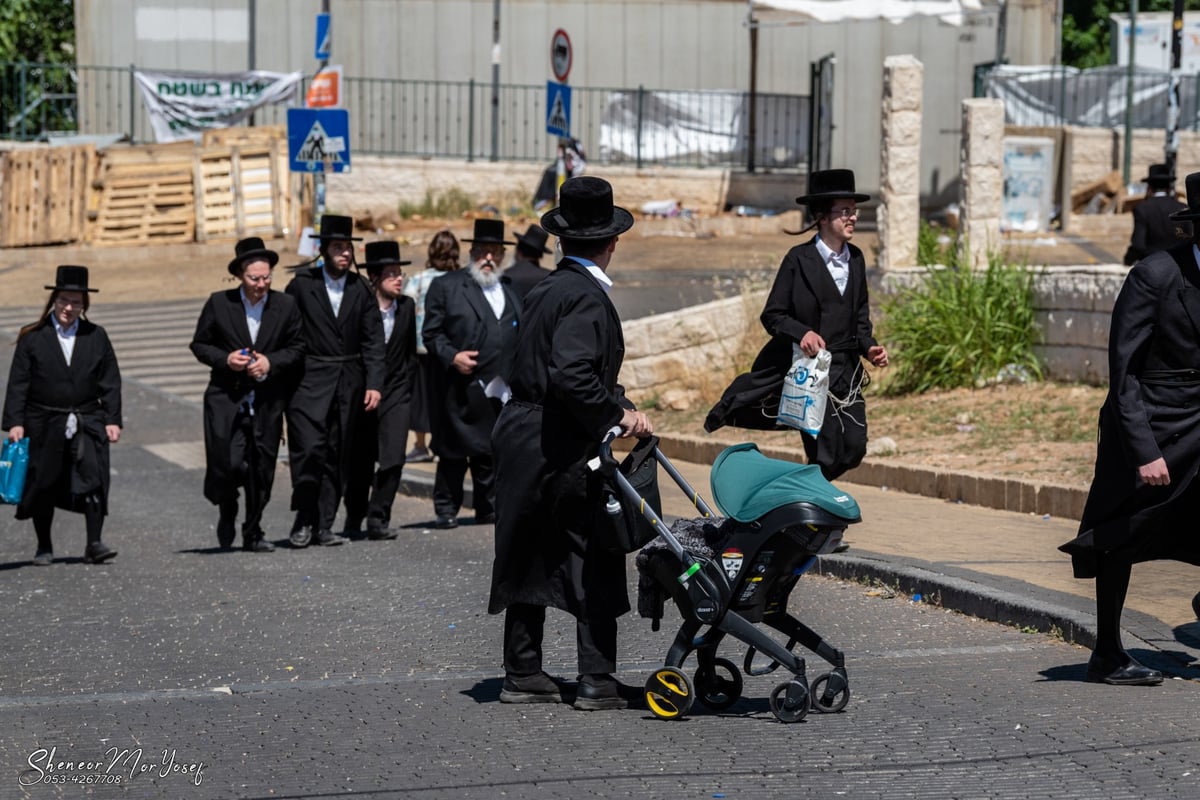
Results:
443 119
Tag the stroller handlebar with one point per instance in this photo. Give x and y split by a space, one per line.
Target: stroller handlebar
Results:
604 461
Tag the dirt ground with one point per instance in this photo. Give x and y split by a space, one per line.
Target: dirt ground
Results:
1043 432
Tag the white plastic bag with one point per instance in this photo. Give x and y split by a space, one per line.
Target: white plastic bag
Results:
805 392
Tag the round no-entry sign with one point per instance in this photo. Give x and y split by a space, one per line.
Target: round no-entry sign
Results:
560 55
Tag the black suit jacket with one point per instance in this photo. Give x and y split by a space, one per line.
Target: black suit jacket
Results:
523 275
1153 230
400 367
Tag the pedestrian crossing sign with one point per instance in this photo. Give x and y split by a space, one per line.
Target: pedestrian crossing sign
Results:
318 139
558 109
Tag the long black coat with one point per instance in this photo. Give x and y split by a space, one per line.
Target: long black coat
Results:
221 330
389 422
523 275
343 358
548 505
804 297
1153 229
457 318
1152 411
43 390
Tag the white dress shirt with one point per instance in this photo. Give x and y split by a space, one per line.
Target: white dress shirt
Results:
335 289
389 321
838 264
66 341
600 275
254 312
495 298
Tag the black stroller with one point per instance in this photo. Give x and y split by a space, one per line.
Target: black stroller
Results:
739 571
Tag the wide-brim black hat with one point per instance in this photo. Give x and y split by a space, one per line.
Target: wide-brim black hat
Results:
336 227
489 231
1193 199
382 254
1159 173
252 247
586 211
71 278
831 184
534 238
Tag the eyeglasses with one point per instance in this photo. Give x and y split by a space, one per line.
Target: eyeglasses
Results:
258 278
845 213
62 302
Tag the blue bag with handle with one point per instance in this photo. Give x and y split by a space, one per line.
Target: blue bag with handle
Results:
14 463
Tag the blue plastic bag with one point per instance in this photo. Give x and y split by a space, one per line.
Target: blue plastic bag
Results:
14 463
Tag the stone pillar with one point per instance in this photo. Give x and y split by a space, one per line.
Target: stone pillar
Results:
900 161
982 176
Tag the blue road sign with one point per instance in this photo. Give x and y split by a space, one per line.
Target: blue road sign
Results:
558 109
317 136
323 38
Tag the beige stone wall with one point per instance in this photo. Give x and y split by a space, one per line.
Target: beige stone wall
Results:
900 162
982 175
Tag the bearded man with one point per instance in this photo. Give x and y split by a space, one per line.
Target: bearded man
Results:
470 330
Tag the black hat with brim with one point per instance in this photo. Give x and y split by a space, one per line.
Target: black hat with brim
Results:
1159 174
335 227
489 231
831 184
383 254
252 247
71 278
1193 199
586 211
534 238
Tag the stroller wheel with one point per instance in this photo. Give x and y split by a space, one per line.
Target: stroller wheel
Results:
829 692
715 690
668 693
789 701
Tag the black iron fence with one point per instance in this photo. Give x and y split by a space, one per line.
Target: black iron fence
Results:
445 119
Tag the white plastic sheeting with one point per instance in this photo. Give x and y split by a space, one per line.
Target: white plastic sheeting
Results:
951 12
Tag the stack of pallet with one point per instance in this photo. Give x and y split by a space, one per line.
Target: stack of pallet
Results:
143 195
242 182
43 194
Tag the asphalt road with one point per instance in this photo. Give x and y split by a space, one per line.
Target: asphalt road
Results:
371 670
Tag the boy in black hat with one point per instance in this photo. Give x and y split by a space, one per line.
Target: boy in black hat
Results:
471 323
818 302
1153 227
526 271
1145 496
251 338
384 433
565 397
64 394
343 376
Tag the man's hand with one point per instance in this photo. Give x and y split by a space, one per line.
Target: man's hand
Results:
259 368
465 361
16 433
1155 473
635 423
811 343
113 432
238 361
371 400
877 355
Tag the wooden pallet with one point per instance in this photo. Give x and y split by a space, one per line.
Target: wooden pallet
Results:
260 135
43 194
142 195
241 190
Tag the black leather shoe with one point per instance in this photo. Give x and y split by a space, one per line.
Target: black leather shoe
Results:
1110 670
381 534
329 539
539 688
446 521
43 558
301 537
353 529
98 553
227 526
604 692
258 545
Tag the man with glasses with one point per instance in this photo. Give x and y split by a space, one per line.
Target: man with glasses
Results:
818 302
250 338
383 437
470 331
343 376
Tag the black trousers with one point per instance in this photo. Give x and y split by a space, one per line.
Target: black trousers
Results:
319 508
42 505
448 485
244 459
524 624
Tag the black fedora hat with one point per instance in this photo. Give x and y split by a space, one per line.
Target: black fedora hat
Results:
534 238
1192 182
489 231
1159 174
586 211
336 227
251 247
71 278
382 254
831 184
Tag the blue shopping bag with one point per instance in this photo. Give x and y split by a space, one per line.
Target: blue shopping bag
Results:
14 463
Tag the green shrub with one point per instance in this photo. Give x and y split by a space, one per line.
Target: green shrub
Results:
961 327
930 251
453 202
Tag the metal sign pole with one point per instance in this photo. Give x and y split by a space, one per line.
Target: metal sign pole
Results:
1172 146
319 176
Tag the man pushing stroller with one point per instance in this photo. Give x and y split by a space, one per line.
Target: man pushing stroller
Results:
565 397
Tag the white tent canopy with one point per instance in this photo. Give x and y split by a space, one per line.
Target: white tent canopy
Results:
796 12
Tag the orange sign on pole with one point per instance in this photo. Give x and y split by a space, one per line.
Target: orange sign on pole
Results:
325 91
